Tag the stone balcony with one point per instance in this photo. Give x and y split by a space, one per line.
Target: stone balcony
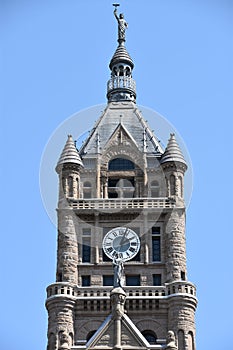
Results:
140 292
117 204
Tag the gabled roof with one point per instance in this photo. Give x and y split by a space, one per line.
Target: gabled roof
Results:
130 335
127 114
120 129
69 154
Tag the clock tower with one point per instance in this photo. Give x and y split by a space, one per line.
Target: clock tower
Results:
121 195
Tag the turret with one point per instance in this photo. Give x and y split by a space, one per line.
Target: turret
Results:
181 308
174 167
68 169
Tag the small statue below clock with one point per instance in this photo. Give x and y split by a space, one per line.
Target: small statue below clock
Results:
119 275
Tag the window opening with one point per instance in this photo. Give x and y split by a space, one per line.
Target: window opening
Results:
172 185
181 341
155 230
122 188
150 336
182 275
86 250
70 186
121 164
133 280
156 256
157 279
108 280
86 281
90 334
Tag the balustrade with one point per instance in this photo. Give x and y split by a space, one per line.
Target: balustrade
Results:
140 292
121 82
122 203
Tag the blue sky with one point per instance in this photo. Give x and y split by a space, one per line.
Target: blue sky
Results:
54 63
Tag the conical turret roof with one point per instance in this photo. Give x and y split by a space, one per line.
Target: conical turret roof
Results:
69 154
121 56
172 152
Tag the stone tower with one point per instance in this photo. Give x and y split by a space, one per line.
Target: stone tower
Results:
121 176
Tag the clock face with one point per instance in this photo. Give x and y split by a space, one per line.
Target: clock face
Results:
121 243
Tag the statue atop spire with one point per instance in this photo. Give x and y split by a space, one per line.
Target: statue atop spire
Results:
121 86
122 25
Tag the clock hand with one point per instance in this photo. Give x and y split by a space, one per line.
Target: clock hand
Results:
123 237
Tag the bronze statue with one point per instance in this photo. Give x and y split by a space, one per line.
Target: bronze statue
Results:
122 25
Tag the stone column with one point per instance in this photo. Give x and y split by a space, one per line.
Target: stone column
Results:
175 246
117 296
67 252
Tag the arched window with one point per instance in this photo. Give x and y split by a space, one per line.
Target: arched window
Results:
150 336
70 186
63 185
87 189
180 186
127 72
154 189
172 185
90 334
190 341
121 68
120 164
181 344
77 188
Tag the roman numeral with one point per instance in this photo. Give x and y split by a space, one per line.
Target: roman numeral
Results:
133 250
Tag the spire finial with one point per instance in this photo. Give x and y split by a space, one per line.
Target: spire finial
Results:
121 86
122 25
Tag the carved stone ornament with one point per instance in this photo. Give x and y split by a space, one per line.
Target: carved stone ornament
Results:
171 341
63 341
